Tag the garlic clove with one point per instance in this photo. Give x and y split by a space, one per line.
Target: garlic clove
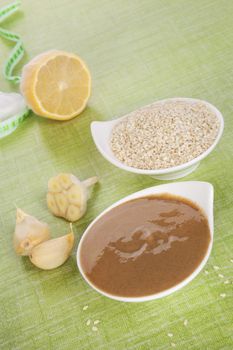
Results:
52 205
62 203
52 253
54 186
73 213
29 232
75 195
65 180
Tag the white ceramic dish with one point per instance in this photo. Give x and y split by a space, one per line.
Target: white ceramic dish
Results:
199 192
101 133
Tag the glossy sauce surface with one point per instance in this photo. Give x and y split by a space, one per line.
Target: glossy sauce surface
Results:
145 246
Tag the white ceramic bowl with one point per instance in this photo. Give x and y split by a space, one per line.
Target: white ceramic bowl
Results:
201 193
101 133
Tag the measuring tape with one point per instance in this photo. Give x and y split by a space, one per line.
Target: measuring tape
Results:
10 124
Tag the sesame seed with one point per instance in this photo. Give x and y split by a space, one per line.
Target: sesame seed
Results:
170 335
185 323
95 329
223 295
173 345
226 282
216 267
220 275
206 272
85 307
88 322
96 321
231 260
164 134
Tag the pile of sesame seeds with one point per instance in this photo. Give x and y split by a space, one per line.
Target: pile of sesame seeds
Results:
164 134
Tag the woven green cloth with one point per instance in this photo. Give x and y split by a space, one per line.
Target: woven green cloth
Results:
138 52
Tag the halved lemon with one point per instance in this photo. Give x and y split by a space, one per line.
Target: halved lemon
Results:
56 85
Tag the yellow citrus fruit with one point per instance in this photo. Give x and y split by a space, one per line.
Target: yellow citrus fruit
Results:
56 85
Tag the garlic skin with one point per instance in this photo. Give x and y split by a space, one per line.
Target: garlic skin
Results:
67 196
53 253
29 232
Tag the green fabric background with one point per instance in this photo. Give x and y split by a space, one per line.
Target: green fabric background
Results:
138 52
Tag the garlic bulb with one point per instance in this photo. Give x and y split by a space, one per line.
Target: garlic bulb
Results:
67 196
29 232
52 253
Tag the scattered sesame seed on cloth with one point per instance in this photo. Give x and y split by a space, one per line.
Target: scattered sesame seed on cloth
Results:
164 134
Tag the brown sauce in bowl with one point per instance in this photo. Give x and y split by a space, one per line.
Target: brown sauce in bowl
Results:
145 246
